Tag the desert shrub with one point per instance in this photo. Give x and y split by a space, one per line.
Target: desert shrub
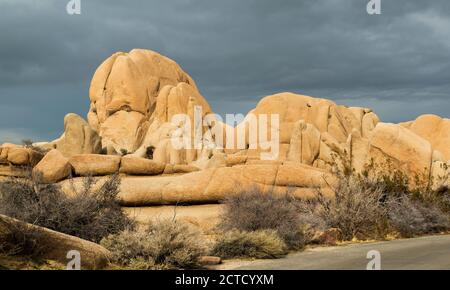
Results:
128 247
166 244
411 217
439 198
260 244
357 209
312 222
395 183
90 214
28 143
254 210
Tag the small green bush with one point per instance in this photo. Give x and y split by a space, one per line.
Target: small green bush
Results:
165 244
261 244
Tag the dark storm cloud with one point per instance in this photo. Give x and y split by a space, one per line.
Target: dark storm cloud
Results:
236 50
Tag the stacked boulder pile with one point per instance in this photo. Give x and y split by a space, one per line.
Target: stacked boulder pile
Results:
133 97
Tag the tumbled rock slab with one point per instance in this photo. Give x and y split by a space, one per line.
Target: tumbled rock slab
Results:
19 156
52 168
93 256
215 184
140 166
94 164
393 147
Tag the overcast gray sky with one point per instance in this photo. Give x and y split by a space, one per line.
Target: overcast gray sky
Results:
397 63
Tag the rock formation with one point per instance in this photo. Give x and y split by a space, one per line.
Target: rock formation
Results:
133 92
134 97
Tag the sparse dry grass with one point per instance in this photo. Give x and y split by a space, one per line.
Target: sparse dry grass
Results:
260 244
166 244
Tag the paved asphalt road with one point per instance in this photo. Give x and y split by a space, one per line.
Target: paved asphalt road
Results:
426 253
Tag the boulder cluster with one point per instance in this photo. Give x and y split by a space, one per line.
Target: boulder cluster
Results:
133 97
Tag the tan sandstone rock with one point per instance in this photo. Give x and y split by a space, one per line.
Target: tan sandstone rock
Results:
123 95
140 166
4 149
321 119
19 156
94 164
393 147
78 137
52 168
434 129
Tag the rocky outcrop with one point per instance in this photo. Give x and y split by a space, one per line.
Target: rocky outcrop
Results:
324 115
134 97
312 131
124 92
58 245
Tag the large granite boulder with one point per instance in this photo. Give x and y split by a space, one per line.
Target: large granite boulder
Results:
435 130
52 168
395 148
